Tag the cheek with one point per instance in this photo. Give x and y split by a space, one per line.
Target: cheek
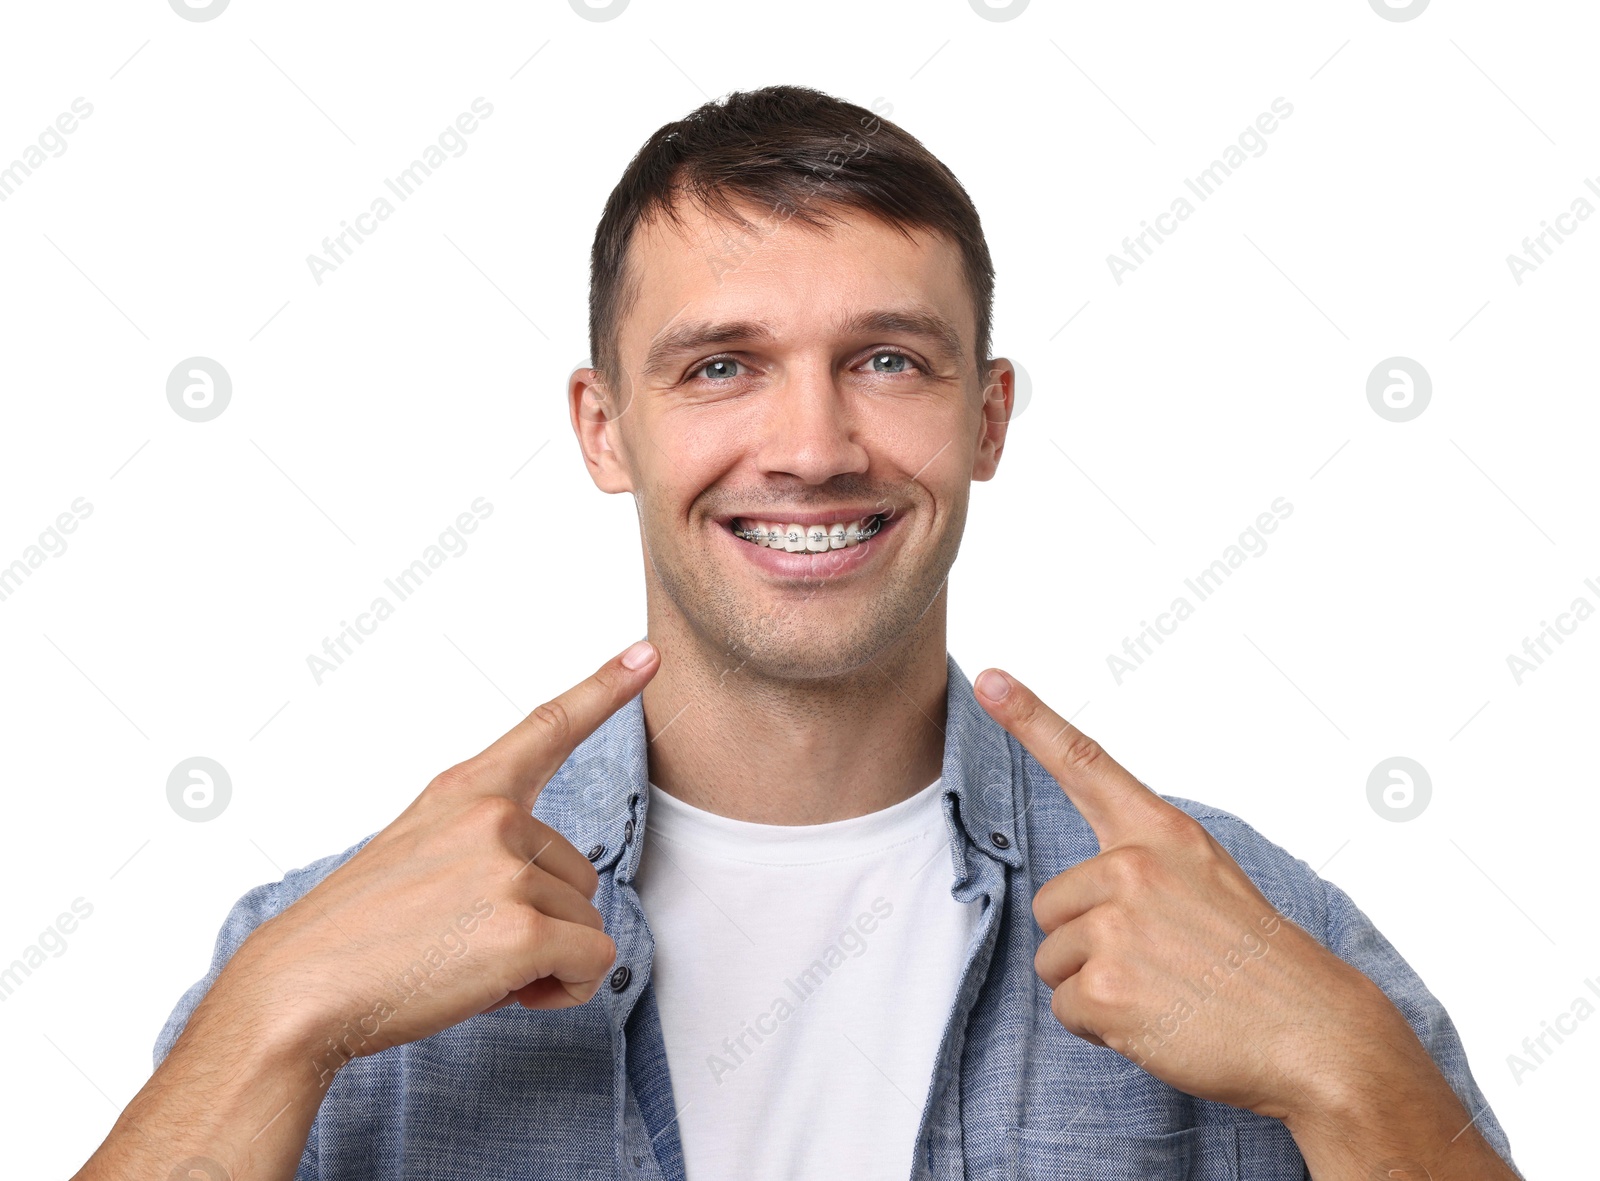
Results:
924 421
677 454
932 445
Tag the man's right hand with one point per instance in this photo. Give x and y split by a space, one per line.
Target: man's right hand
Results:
465 903
466 872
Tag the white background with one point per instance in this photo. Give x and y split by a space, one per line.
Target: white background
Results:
1167 411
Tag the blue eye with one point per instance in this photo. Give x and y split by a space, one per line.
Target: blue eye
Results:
722 369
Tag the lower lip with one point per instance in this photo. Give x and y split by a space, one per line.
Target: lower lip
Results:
808 566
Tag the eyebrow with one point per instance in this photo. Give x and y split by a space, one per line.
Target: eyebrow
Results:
693 336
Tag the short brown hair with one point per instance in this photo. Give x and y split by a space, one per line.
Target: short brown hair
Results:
800 153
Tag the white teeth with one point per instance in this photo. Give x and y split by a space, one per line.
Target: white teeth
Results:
814 539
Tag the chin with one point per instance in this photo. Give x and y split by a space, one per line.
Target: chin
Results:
800 633
838 663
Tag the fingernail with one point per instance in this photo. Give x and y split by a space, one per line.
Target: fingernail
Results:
994 685
639 655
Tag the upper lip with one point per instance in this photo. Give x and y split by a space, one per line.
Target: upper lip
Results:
813 517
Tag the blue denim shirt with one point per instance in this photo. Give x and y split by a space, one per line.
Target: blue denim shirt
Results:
586 1093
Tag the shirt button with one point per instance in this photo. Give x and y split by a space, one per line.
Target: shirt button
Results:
627 832
620 978
597 852
1001 841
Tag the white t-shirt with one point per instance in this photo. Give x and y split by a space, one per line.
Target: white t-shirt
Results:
803 974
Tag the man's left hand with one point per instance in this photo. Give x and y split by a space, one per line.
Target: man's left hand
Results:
1161 948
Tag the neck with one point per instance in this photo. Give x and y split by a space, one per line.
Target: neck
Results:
726 738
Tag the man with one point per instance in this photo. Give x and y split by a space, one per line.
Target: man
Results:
793 900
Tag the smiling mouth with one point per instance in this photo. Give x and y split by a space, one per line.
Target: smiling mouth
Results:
814 539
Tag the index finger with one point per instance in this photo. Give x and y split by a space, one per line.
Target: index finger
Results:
526 756
1116 805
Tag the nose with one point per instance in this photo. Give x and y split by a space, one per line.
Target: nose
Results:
810 431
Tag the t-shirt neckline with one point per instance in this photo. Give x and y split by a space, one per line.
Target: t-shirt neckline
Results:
678 823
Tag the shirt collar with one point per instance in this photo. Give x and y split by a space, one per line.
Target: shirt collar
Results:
600 795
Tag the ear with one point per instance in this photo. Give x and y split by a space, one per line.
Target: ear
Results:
596 419
999 388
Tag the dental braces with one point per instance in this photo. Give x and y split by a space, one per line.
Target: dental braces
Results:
871 531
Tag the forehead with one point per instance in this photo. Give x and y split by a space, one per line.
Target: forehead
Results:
803 280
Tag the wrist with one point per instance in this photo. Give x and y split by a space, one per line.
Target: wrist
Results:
1372 1075
1349 1067
228 1094
1384 1109
261 1043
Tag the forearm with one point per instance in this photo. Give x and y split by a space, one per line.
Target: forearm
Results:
1409 1140
245 1101
1389 1112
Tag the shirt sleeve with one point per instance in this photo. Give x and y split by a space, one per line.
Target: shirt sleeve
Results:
1352 936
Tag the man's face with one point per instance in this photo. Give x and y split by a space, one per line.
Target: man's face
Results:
789 376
